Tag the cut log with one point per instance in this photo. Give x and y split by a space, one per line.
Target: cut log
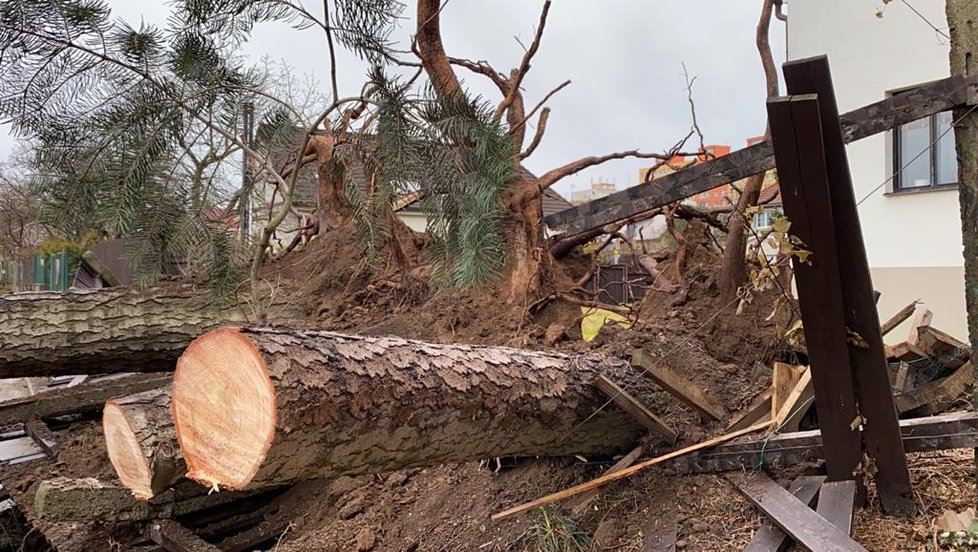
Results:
257 407
105 331
64 499
142 443
86 397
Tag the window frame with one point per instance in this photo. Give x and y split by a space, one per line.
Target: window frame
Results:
897 164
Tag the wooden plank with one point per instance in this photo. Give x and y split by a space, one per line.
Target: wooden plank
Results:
860 123
935 342
635 408
791 408
176 538
783 382
754 413
836 502
796 132
898 318
958 430
63 499
900 380
43 436
678 386
938 395
795 517
627 472
86 397
881 436
771 538
905 351
248 540
101 268
579 503
923 318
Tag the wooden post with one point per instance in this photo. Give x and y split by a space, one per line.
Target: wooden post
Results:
797 137
881 435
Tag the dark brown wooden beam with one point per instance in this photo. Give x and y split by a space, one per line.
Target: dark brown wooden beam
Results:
860 123
248 540
796 132
947 431
881 434
771 538
176 538
795 517
836 502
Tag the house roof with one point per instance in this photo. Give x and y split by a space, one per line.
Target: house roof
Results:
770 196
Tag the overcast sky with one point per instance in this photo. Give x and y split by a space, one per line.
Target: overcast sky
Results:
624 58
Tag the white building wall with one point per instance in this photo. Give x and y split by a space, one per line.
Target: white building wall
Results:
913 240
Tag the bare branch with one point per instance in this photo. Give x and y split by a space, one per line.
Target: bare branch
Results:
541 128
517 79
539 105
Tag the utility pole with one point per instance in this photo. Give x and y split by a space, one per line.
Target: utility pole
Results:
962 19
244 203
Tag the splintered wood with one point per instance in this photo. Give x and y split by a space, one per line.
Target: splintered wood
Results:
628 472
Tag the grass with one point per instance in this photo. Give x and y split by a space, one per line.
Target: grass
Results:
553 531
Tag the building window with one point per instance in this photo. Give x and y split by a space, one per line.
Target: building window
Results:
766 218
934 168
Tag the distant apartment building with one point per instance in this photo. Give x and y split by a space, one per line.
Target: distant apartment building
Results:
597 189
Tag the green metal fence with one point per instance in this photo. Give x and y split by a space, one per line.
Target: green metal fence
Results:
52 272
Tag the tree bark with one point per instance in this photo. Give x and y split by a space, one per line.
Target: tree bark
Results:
733 271
53 333
256 407
142 443
962 20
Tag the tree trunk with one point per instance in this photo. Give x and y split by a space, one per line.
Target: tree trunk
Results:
142 443
531 259
255 407
733 271
962 20
53 333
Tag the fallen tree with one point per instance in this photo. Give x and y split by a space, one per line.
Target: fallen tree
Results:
95 332
257 407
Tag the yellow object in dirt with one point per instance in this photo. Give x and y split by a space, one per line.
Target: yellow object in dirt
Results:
595 319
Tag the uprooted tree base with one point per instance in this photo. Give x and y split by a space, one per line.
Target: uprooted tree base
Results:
330 280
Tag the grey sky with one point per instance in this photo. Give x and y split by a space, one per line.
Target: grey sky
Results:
624 58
